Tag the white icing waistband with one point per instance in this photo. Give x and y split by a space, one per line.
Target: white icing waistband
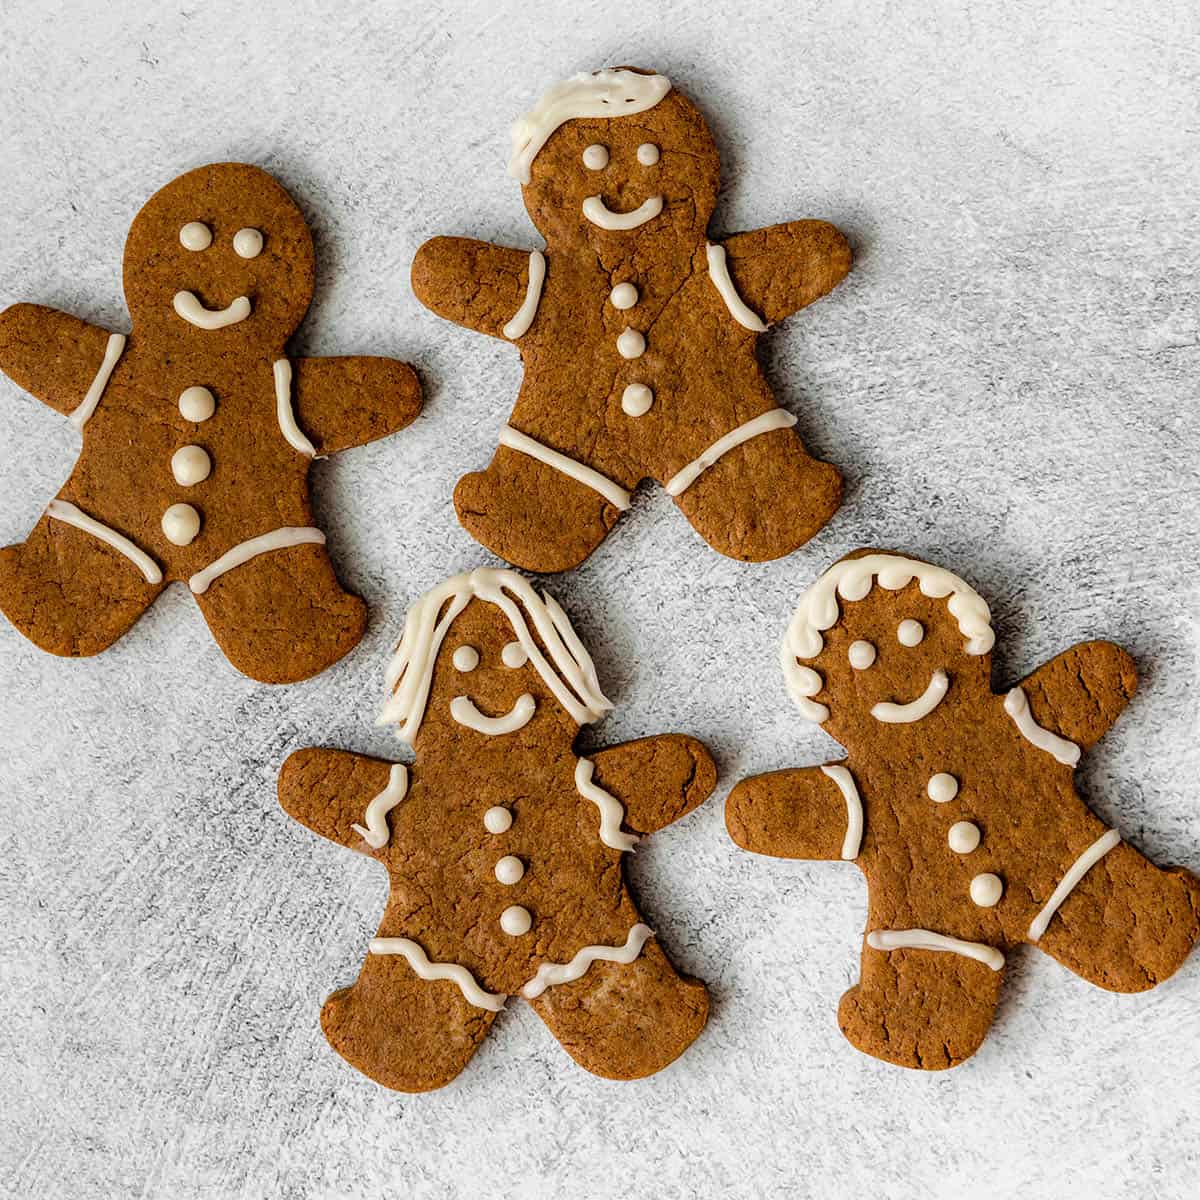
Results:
112 355
243 552
923 939
739 310
854 810
614 493
376 834
777 418
431 971
1071 880
612 811
68 514
1016 704
552 974
523 317
292 433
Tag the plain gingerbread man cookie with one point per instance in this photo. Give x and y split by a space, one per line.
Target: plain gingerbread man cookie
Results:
198 432
637 334
503 847
959 807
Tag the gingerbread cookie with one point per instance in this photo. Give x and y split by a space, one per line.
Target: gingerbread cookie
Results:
959 806
198 432
637 335
503 847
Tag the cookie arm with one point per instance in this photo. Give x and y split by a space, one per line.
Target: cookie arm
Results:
657 779
52 355
780 269
329 790
344 402
1082 691
798 813
471 283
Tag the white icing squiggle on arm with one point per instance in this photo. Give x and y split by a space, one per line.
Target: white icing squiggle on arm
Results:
112 354
1070 881
292 433
612 811
376 834
854 810
552 974
1016 704
739 310
923 939
523 317
915 710
68 514
451 972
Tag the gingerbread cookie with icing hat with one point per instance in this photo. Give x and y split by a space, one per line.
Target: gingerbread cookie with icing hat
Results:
503 847
959 807
637 334
198 432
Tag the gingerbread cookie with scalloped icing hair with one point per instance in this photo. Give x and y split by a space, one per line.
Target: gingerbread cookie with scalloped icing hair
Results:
504 848
637 334
959 806
198 432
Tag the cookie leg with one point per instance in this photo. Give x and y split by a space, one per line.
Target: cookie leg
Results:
404 1032
532 515
924 1009
283 616
626 1021
70 593
763 498
1128 924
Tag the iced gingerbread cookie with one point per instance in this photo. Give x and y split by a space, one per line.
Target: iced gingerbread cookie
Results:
503 848
637 335
198 431
959 806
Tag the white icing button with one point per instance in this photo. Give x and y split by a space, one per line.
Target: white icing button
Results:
509 871
636 400
910 633
631 344
190 465
595 157
196 404
497 819
963 837
248 243
195 235
986 889
623 296
181 523
862 655
466 658
516 920
942 787
513 655
647 154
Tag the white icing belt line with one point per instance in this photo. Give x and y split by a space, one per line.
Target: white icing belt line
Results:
68 514
429 971
243 552
612 811
854 810
777 418
551 974
292 433
616 495
523 317
923 939
376 834
739 310
1070 881
112 354
1016 704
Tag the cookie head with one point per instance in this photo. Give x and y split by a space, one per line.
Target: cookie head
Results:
617 155
484 658
880 640
220 255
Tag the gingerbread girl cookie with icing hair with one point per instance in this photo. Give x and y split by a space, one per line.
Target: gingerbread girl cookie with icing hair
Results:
959 806
503 847
637 334
198 432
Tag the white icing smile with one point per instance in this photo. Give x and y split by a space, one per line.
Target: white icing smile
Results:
922 706
600 214
463 710
192 311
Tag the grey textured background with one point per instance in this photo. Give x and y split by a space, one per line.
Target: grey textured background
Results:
1008 381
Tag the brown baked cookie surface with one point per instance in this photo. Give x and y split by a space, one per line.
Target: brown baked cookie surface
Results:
959 807
503 849
198 431
637 335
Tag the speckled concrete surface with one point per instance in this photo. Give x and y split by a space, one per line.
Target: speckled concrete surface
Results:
1009 381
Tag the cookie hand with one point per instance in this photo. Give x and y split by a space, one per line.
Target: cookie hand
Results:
471 283
657 779
798 813
349 401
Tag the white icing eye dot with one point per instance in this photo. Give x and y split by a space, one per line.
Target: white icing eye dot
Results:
195 235
862 655
942 787
963 837
509 870
248 243
497 819
466 658
987 889
513 655
910 633
647 154
516 920
196 404
595 157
